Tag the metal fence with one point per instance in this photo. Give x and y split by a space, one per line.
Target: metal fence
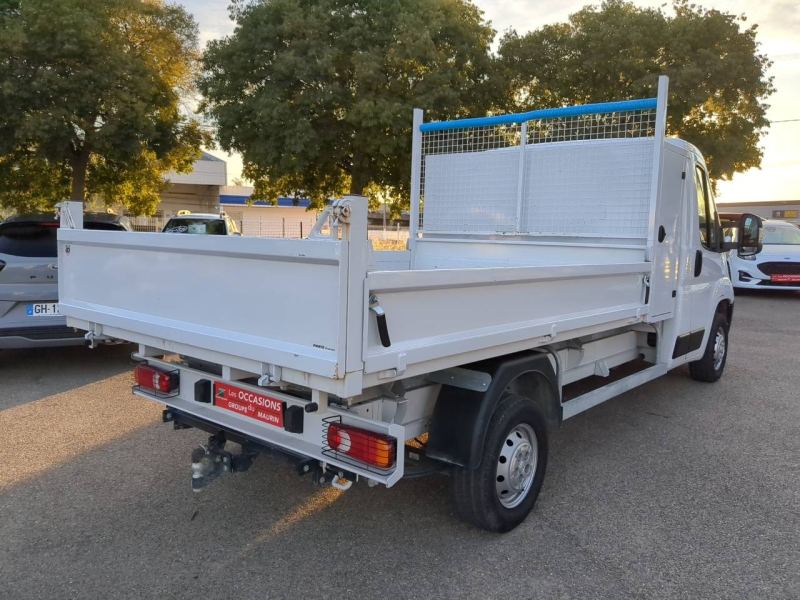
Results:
268 228
390 233
276 228
148 223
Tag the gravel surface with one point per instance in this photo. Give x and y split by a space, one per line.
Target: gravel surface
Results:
675 490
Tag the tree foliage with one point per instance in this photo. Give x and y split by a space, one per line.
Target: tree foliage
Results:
718 81
317 94
91 93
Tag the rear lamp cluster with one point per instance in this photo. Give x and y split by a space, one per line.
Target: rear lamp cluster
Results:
362 445
156 380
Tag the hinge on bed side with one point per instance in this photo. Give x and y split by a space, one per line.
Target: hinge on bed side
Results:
95 335
270 375
340 210
550 336
396 372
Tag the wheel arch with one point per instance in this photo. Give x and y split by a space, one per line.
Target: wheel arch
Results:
460 420
725 307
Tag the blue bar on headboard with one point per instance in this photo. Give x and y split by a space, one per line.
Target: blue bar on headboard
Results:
546 113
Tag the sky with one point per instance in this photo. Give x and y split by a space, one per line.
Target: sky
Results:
779 34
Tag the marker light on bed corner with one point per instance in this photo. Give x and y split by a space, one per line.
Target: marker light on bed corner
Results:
363 445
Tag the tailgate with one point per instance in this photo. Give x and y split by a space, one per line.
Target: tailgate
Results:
272 301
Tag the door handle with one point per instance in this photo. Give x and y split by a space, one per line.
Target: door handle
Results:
698 263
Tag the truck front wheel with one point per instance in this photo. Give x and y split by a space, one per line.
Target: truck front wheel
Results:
710 367
501 491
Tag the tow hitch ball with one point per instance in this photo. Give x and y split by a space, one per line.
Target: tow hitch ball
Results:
210 460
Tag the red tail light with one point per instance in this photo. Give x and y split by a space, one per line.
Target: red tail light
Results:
363 445
156 380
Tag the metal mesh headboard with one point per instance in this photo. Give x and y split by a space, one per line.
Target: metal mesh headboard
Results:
582 171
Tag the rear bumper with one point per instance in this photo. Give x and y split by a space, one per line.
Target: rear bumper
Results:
309 443
40 336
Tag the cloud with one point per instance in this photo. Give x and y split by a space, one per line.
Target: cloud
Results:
526 15
212 17
780 18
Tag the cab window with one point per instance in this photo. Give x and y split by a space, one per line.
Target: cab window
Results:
706 211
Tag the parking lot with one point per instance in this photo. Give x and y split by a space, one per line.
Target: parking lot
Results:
675 490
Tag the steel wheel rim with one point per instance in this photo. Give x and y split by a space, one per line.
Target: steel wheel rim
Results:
720 345
516 465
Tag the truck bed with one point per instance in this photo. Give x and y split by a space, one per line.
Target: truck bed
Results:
529 236
302 306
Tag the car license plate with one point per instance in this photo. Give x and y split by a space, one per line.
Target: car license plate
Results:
43 309
786 278
250 404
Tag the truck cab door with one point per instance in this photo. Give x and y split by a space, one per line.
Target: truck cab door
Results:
666 246
708 263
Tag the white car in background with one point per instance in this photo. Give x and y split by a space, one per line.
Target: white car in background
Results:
201 224
777 267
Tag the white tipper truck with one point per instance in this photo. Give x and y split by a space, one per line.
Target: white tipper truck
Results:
558 245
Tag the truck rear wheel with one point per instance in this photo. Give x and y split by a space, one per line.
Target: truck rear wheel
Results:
501 491
710 367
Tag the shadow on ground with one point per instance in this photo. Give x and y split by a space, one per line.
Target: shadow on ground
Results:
33 374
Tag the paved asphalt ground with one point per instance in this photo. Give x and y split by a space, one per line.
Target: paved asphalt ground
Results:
675 490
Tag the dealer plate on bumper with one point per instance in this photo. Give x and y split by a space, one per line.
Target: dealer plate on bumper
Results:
249 404
785 278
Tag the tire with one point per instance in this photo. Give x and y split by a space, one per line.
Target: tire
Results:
516 428
712 364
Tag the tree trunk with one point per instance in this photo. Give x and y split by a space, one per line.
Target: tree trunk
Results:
359 181
80 163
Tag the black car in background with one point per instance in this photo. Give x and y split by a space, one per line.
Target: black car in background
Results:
29 316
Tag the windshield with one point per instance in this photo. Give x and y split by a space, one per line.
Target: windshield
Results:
781 235
200 226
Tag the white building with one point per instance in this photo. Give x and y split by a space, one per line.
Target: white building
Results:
204 189
787 210
287 218
197 191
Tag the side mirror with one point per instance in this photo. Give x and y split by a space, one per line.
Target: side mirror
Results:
750 235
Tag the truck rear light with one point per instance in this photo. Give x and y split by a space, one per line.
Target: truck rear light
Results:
157 380
362 445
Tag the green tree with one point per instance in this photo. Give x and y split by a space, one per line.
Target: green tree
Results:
317 94
718 81
91 95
